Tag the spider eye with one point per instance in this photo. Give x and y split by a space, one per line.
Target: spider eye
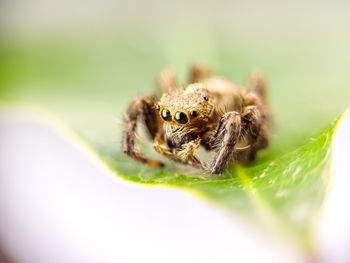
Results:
205 97
181 117
194 113
166 115
157 107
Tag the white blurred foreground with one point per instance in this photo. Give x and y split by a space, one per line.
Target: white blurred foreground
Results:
59 204
334 229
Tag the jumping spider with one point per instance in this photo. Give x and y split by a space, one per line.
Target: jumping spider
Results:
208 111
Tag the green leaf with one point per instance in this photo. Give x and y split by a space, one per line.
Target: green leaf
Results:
284 195
88 82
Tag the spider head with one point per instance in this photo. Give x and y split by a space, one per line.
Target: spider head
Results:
192 106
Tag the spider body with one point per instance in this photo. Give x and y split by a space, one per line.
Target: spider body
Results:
209 111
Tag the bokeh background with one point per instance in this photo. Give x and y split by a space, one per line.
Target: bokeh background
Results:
85 60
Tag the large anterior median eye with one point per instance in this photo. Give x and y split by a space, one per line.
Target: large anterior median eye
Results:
181 117
166 115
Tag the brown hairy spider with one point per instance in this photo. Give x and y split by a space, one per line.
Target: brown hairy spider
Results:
209 111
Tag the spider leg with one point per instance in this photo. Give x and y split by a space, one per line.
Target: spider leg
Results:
256 107
166 80
187 153
256 128
228 134
161 149
252 121
140 108
257 85
252 118
197 73
184 155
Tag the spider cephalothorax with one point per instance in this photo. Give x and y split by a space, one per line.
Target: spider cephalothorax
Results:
186 111
209 111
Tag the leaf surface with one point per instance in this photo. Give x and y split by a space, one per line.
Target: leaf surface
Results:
88 82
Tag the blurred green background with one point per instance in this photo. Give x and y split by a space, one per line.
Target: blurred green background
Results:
85 60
